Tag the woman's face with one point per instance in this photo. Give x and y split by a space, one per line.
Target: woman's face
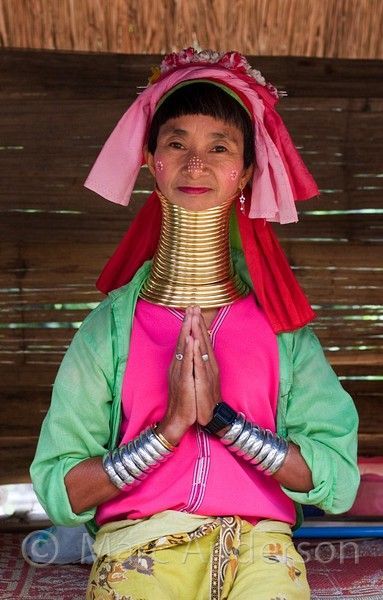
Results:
198 162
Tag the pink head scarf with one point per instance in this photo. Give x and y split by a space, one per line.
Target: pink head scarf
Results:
280 176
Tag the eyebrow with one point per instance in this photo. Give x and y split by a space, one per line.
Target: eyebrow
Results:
214 135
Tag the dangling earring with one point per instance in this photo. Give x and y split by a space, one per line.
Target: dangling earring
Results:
242 201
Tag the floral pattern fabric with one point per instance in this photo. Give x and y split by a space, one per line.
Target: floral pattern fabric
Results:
225 558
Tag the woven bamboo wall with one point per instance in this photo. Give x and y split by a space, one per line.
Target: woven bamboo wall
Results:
57 110
322 28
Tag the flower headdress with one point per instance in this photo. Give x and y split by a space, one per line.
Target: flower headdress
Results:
233 61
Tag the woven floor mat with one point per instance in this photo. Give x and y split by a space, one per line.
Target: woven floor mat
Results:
337 570
344 569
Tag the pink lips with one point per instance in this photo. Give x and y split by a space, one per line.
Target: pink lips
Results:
194 190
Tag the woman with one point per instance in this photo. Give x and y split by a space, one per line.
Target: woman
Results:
194 410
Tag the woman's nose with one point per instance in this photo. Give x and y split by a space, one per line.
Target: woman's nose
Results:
195 165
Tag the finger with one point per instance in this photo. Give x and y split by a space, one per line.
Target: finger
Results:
203 375
206 346
188 350
207 388
186 324
182 368
199 364
205 332
187 363
184 332
198 335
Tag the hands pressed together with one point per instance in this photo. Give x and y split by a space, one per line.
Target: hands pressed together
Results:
194 387
194 390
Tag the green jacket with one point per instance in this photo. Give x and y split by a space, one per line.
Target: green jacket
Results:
314 411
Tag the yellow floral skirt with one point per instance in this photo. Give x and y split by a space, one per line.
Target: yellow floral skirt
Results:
227 558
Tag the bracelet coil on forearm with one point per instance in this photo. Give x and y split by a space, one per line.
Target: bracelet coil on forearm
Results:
261 447
130 463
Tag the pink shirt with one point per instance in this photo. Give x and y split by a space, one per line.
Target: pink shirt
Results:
202 476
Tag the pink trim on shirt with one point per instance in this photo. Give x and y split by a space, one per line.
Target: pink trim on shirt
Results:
200 473
202 476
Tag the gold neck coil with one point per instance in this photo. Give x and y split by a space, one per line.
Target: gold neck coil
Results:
192 263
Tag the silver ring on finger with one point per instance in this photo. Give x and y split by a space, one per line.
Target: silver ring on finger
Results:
205 357
179 356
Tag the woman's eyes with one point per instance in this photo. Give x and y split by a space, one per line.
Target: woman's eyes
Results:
219 148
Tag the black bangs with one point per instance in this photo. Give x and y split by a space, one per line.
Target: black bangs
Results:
202 98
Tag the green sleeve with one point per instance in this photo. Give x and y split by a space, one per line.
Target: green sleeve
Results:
320 417
77 424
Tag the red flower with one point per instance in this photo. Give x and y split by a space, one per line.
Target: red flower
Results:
235 61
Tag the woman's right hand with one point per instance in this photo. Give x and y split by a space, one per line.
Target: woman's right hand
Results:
181 411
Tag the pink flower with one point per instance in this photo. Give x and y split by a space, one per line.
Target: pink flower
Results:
176 59
187 55
170 60
235 61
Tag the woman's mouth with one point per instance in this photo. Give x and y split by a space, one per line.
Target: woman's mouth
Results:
193 190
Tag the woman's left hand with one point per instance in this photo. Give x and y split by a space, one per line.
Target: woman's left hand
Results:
206 372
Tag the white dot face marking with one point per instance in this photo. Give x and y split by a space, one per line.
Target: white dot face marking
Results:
159 165
195 165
